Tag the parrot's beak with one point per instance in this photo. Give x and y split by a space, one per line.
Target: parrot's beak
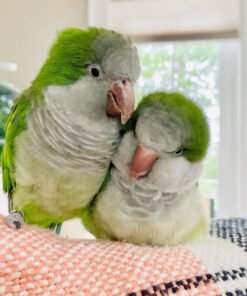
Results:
142 161
121 99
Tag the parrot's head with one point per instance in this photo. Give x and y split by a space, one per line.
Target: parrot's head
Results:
98 67
172 137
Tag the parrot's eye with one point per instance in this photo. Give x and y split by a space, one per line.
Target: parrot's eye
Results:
95 71
179 151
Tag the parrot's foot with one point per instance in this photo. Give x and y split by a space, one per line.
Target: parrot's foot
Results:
15 220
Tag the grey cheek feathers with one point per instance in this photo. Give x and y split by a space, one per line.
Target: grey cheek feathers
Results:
174 174
65 138
120 58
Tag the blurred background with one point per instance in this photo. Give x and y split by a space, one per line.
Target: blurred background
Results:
196 47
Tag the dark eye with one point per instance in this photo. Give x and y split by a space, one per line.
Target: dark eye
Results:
95 71
179 151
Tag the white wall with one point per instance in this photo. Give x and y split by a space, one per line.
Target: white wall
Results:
27 29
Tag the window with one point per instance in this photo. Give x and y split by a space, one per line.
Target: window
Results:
191 68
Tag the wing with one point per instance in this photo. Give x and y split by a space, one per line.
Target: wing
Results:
87 216
16 123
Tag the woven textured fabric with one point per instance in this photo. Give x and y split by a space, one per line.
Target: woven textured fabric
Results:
34 261
232 229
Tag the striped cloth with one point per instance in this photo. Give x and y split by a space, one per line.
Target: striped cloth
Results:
34 261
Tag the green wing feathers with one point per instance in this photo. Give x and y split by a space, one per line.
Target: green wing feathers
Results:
89 223
16 123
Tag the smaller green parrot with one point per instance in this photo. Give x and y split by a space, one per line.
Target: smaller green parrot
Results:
63 130
151 195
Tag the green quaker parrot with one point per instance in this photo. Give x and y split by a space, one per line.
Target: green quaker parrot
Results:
63 129
151 196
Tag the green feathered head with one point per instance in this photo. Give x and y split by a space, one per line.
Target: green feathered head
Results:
186 114
107 61
75 49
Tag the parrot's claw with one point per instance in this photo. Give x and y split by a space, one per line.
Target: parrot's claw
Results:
15 220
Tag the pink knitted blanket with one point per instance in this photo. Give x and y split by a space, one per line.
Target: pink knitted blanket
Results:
34 261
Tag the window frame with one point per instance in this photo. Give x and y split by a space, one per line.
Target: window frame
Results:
233 195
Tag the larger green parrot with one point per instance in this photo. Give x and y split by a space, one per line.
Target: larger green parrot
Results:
151 195
63 129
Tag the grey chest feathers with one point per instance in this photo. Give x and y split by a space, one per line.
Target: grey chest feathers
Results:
74 140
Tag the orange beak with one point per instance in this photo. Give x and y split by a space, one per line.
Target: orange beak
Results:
121 100
142 161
